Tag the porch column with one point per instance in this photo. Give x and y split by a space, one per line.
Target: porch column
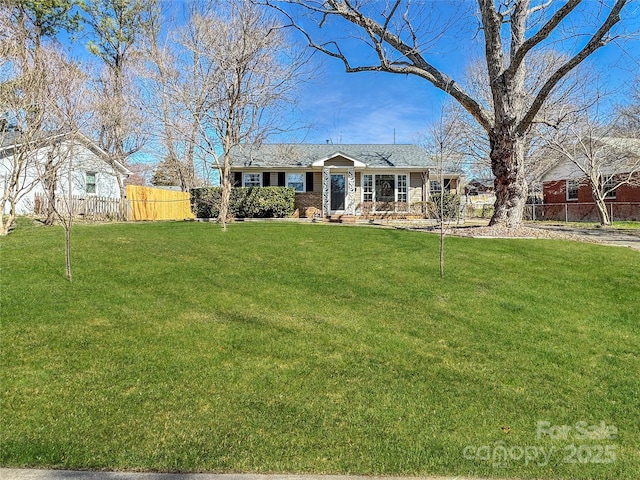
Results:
350 207
424 176
326 191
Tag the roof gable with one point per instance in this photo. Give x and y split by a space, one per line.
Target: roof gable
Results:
335 157
12 139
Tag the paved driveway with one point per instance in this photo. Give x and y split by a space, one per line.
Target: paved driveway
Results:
627 238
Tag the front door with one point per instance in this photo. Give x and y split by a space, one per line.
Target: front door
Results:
338 191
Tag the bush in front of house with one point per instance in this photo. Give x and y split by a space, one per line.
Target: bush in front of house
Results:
451 206
252 202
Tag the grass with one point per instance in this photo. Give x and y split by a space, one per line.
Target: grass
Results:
316 348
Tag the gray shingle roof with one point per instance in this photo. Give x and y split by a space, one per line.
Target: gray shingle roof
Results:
12 138
303 155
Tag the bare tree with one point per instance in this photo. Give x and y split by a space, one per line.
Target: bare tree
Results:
242 72
444 143
565 100
44 100
403 38
141 174
167 173
71 112
116 30
22 105
170 95
629 118
30 117
596 154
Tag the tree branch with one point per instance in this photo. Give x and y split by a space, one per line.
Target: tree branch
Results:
542 34
416 64
596 41
542 6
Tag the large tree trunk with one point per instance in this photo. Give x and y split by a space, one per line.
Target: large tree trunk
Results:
507 164
227 182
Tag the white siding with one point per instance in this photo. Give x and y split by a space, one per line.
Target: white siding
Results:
415 187
80 159
562 171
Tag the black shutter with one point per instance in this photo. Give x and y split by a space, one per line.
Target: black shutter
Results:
237 179
309 181
281 179
266 179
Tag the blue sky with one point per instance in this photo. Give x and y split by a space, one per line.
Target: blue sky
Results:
368 107
383 108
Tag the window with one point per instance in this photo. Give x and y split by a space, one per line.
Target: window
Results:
90 182
252 180
296 181
572 190
385 188
402 188
435 187
609 187
367 188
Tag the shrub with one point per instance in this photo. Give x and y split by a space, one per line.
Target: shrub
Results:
253 202
451 207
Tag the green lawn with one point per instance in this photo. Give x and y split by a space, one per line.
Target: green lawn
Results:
281 347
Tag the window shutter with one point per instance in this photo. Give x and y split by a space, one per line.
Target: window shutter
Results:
266 179
237 179
309 181
282 179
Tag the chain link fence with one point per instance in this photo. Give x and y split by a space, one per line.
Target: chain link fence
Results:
582 212
562 212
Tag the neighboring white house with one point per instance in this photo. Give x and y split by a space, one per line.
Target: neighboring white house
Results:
82 166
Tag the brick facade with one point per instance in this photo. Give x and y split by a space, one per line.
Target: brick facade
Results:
625 205
307 205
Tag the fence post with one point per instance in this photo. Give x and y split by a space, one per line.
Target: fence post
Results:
611 219
566 213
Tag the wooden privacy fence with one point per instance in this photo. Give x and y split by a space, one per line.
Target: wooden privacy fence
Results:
147 203
89 206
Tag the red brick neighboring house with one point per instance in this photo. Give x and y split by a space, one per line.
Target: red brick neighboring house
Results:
568 196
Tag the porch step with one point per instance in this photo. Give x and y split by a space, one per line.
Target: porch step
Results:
340 218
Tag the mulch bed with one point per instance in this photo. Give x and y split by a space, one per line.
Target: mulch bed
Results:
506 232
